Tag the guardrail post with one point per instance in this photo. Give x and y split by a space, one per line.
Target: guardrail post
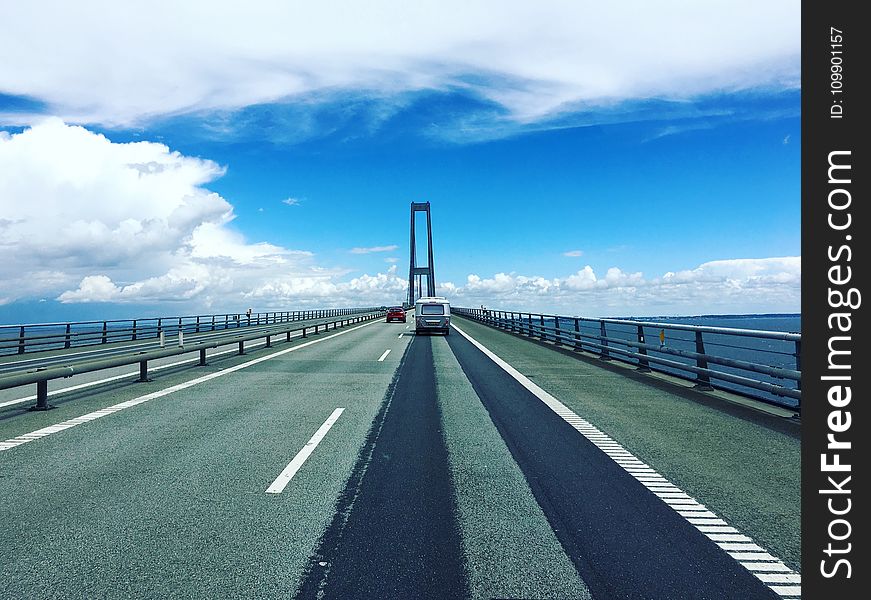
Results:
241 347
143 372
513 325
197 330
557 333
269 341
578 334
202 357
643 364
541 323
303 332
159 327
213 323
105 329
605 355
288 336
132 338
41 396
703 380
67 338
316 328
529 325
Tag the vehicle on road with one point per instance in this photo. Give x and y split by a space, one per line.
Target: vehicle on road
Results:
396 313
432 313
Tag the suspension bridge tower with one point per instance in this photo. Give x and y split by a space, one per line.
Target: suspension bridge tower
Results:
414 271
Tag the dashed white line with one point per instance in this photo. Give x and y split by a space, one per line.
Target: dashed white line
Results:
40 433
383 356
293 466
697 514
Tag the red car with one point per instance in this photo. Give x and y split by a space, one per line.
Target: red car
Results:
395 313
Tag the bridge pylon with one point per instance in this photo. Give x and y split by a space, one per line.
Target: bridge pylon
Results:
413 269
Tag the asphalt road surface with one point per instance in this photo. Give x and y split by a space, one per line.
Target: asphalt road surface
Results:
366 462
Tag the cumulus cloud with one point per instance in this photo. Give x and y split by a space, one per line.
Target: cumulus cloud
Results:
727 286
372 249
529 60
88 220
291 201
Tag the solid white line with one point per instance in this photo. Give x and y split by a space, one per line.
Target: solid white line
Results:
27 437
293 466
695 513
383 356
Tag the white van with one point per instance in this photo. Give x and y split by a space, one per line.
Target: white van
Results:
432 313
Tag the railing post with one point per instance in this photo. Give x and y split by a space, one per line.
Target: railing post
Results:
529 324
556 334
605 355
643 364
132 338
159 327
798 362
67 338
213 323
198 325
105 330
578 334
703 380
541 324
513 325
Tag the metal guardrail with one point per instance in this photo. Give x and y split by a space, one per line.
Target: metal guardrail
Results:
42 375
35 337
742 360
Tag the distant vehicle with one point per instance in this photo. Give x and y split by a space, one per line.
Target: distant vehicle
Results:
432 313
395 313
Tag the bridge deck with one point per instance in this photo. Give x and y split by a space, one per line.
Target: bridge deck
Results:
443 477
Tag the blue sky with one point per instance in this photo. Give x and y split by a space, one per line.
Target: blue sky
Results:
209 176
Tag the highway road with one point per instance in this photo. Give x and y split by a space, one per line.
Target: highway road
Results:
368 462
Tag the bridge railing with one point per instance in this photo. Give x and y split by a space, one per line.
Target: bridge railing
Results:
35 337
762 364
41 375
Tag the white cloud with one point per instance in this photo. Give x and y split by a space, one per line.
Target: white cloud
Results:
88 220
372 249
574 253
726 286
533 59
291 201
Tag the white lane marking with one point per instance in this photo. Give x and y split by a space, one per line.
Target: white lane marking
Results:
697 514
88 384
293 466
39 433
383 356
400 335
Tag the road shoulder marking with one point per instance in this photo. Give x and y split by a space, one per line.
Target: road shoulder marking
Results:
383 356
293 466
752 557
